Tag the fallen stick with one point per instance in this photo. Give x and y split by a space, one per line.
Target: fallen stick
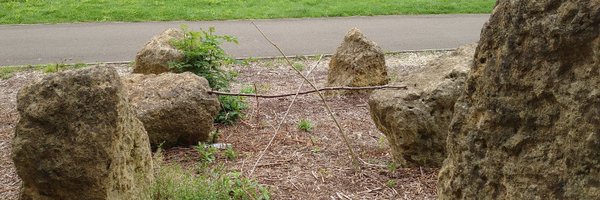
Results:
308 92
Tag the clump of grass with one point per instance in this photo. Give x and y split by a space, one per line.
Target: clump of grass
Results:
230 154
391 183
52 68
392 167
172 181
9 71
298 66
305 125
208 154
248 90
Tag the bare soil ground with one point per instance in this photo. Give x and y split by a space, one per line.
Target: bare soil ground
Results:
299 165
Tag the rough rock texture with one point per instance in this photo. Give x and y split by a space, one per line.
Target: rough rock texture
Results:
528 123
357 62
175 108
78 138
154 58
416 120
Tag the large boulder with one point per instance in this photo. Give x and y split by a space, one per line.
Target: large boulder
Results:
416 120
176 109
154 58
78 138
528 123
357 62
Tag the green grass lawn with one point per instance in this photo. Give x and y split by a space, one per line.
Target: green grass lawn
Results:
58 11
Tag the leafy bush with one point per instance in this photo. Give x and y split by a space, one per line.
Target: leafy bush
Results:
204 57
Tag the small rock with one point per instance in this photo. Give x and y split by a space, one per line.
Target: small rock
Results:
78 138
416 120
175 108
154 58
357 62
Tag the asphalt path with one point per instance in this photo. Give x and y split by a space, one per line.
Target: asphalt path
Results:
115 42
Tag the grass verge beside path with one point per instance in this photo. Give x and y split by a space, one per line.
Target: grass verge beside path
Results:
60 11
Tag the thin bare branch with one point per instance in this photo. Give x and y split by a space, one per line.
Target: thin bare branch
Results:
308 92
355 160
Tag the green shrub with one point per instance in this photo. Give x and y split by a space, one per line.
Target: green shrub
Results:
305 125
204 57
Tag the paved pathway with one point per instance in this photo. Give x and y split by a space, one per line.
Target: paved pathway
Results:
108 42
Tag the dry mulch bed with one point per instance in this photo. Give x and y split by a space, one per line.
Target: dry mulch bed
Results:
299 165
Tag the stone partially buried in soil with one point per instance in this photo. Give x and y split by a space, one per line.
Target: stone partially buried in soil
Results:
416 120
176 109
78 138
154 58
357 62
528 123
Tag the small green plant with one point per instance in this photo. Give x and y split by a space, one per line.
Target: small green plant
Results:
231 109
213 136
230 154
305 125
391 183
316 150
248 90
52 68
382 142
208 154
392 167
299 66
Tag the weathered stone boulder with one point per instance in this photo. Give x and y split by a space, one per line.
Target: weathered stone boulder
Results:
78 138
154 58
416 120
175 108
357 62
528 123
